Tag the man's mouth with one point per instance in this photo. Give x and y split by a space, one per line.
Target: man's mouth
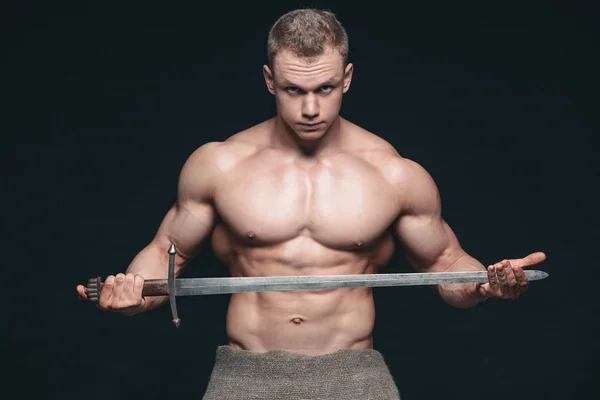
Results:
310 125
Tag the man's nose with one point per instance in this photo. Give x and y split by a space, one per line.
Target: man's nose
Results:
310 106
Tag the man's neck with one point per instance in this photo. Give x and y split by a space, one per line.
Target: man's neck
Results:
284 137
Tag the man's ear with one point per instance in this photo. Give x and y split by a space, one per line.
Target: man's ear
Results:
348 76
268 74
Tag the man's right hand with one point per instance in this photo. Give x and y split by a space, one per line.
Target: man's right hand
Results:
121 293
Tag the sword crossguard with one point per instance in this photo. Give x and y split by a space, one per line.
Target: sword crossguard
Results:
171 284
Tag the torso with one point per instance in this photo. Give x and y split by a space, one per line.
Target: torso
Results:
283 215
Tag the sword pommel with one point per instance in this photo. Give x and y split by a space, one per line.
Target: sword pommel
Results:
93 288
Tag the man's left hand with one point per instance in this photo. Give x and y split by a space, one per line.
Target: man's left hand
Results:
506 279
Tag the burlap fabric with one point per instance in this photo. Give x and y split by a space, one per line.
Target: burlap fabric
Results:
277 374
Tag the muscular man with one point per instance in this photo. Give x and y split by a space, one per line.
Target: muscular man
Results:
306 193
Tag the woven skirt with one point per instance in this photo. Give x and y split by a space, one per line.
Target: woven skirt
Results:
278 374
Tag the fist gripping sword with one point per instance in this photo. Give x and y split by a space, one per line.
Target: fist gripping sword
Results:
205 286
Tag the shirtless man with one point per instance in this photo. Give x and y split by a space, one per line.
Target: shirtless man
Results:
306 193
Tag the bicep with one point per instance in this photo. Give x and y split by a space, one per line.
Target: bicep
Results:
186 225
191 219
429 243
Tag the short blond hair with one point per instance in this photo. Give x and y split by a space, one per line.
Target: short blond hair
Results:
306 32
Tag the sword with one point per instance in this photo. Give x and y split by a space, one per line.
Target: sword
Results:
210 286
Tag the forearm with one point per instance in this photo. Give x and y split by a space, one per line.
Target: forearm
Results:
152 263
463 295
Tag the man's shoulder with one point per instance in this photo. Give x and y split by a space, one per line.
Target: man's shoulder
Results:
373 149
220 155
226 154
255 136
396 168
210 163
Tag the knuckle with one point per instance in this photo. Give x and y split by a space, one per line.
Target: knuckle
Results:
132 303
129 279
123 304
118 305
138 281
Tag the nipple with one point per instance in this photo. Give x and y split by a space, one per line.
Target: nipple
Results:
251 234
359 244
297 321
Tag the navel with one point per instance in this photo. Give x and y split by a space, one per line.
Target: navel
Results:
297 321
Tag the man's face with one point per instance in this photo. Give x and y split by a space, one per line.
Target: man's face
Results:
308 93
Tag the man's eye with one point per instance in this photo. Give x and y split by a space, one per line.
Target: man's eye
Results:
292 90
326 88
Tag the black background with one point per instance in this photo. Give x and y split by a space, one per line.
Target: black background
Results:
105 101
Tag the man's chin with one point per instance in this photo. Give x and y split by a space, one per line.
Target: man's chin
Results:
308 132
310 135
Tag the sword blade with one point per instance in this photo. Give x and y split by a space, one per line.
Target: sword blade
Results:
209 286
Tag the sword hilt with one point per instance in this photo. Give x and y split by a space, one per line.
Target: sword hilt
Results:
152 287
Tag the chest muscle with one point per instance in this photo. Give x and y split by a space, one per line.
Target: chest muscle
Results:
339 206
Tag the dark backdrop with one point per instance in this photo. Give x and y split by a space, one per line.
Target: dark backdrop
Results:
105 101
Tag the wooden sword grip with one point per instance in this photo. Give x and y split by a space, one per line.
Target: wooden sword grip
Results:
152 287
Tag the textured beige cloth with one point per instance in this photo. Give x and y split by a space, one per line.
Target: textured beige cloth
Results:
277 374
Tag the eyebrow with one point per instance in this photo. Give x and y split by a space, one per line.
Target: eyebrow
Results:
329 81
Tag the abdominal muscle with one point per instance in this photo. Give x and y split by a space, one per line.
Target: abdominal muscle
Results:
306 321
